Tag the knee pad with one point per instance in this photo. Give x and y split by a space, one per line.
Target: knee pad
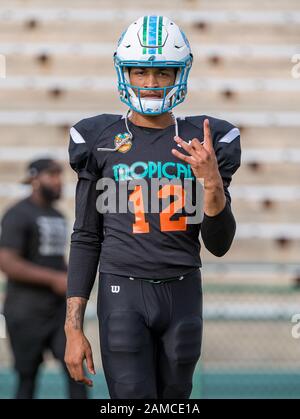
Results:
127 348
186 340
126 331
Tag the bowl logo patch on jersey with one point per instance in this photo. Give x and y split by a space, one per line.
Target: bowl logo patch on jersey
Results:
125 140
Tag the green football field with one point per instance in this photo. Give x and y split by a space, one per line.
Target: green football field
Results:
209 384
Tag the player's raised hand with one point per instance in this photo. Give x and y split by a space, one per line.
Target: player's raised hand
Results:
202 156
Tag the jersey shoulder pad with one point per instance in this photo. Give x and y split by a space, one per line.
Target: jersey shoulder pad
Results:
83 136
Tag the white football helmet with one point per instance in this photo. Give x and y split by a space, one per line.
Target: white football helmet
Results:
153 41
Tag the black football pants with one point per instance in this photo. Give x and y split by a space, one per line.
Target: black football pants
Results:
150 335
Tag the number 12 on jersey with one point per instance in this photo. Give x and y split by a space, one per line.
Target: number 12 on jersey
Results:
166 224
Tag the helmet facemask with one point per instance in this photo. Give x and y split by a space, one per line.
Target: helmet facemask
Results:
171 96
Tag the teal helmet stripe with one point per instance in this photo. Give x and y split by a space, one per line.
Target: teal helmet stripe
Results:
160 23
152 34
145 22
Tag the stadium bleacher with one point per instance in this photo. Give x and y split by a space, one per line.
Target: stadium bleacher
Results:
59 69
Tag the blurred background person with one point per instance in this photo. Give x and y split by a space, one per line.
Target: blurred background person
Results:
32 256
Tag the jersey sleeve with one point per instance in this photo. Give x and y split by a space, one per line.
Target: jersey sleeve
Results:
81 157
83 138
87 235
86 240
14 230
228 151
218 231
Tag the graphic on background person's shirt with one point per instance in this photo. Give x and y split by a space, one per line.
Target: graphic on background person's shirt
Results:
39 235
53 232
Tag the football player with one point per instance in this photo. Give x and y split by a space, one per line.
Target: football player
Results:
150 287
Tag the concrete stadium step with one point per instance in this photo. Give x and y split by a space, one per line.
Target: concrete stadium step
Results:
103 14
14 171
58 135
48 117
272 136
247 51
108 83
264 198
104 31
286 214
182 4
279 233
260 250
89 100
41 63
192 4
267 174
34 135
254 278
243 212
281 174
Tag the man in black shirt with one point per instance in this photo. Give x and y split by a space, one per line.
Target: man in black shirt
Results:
150 293
32 248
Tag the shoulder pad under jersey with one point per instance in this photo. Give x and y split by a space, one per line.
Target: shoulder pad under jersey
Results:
83 136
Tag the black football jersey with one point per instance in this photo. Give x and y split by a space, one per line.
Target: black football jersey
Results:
141 242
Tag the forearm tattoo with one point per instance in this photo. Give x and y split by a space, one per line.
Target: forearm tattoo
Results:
75 312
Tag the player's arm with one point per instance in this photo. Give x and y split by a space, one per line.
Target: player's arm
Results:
215 164
214 196
13 241
78 347
84 256
217 230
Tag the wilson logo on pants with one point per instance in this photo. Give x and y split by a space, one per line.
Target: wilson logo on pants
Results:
115 288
